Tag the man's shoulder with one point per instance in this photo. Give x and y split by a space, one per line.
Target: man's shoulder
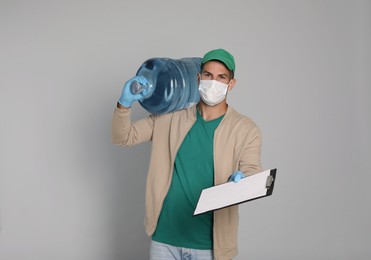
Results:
181 114
236 117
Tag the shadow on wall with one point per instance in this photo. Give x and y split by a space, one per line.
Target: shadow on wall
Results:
128 202
122 175
129 168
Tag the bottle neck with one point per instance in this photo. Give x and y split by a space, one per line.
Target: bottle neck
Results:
140 85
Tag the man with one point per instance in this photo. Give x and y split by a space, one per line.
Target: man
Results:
205 145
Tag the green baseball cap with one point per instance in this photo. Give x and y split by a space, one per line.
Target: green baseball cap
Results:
220 55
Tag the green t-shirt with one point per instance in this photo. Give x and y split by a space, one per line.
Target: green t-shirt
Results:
193 171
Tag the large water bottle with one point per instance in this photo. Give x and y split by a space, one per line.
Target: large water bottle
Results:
168 84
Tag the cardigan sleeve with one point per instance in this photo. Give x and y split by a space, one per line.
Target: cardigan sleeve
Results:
250 156
124 132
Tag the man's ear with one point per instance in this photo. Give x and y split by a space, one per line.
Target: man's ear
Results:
198 78
231 84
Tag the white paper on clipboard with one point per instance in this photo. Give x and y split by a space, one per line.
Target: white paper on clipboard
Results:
230 193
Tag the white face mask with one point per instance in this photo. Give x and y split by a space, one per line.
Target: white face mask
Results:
212 92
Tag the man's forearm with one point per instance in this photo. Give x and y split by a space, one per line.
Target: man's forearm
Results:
121 106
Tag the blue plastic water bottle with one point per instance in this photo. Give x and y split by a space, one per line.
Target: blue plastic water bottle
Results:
171 84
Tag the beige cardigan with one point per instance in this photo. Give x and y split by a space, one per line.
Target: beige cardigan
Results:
237 144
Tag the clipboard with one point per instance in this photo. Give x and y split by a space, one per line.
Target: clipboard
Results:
250 188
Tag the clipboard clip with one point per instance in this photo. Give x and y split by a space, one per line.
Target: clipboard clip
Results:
269 182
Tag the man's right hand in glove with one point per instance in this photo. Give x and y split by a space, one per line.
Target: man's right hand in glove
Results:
127 98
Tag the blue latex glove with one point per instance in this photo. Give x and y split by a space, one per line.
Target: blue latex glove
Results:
127 98
236 176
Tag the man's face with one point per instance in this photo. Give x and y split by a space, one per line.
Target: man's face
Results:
214 70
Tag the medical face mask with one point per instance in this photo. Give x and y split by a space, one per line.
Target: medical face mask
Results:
212 92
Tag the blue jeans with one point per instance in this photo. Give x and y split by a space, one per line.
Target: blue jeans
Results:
161 251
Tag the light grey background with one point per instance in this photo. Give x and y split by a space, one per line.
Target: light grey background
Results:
303 74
